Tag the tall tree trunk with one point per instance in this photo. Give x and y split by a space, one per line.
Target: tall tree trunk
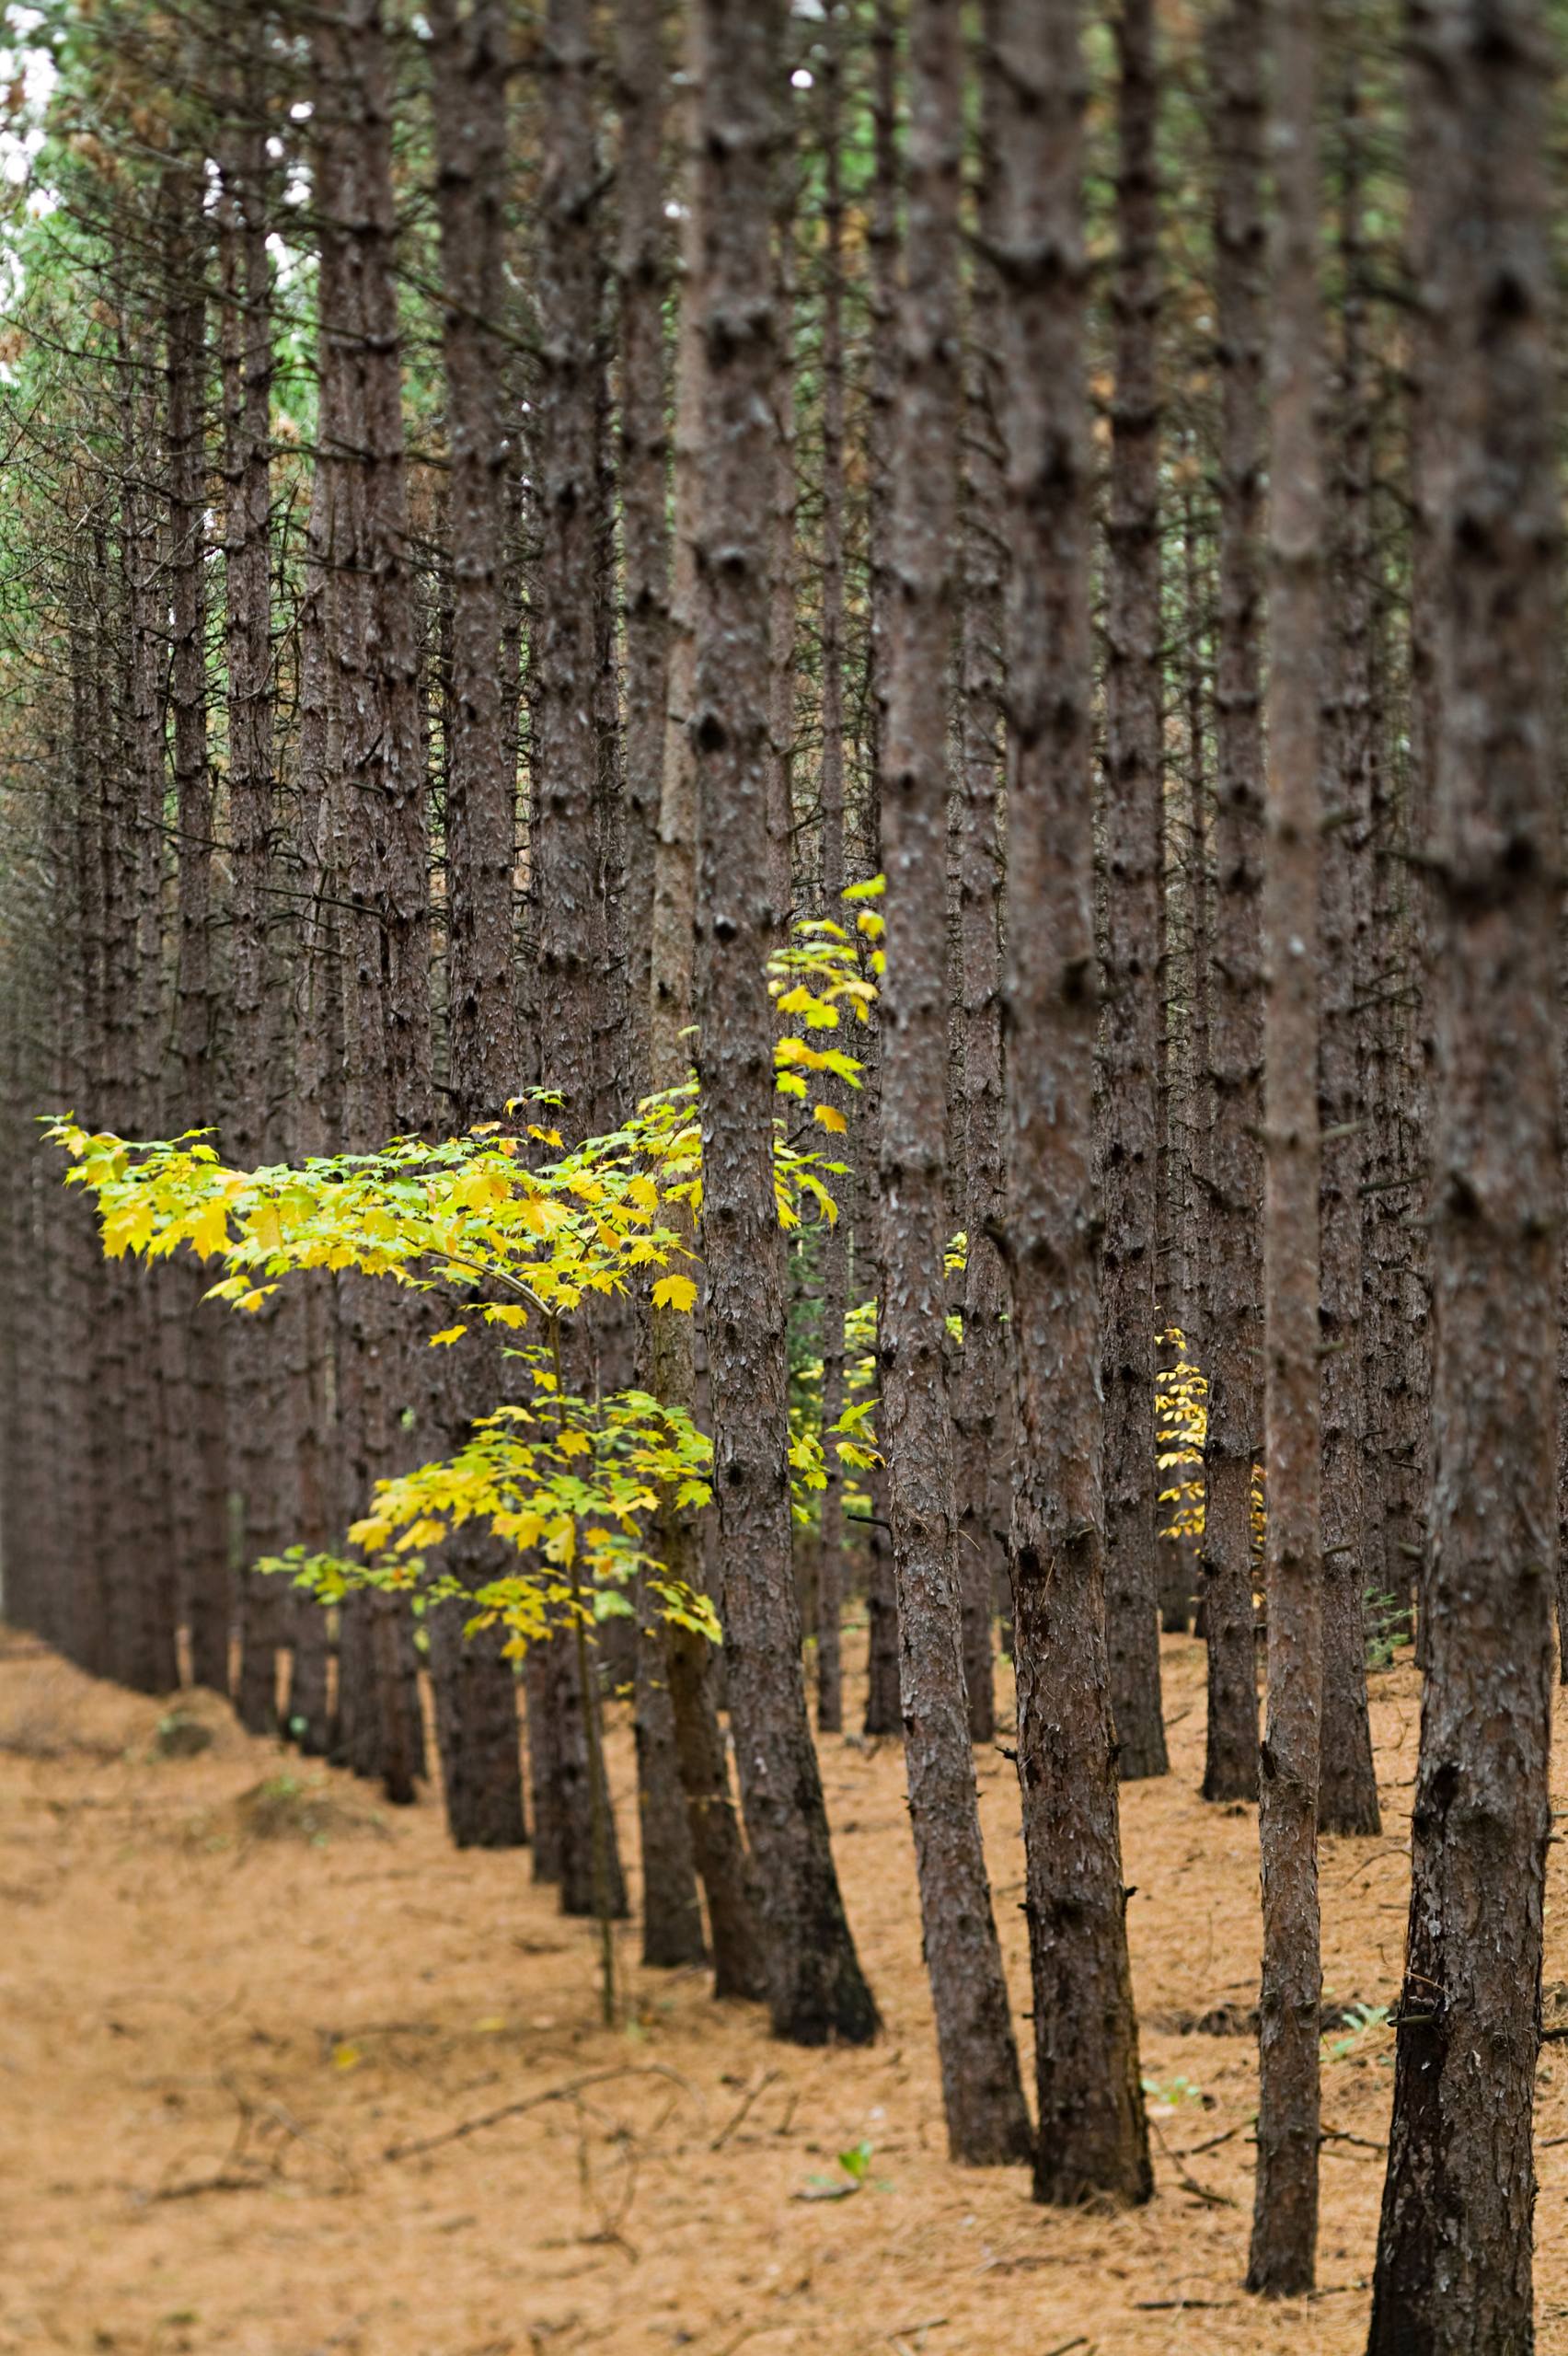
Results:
567 657
145 1648
783 625
475 1687
310 1127
717 1846
834 1246
816 1990
1184 1077
1347 1793
385 860
672 1917
883 1710
1233 1306
194 1337
983 1395
1133 827
1093 2140
1454 2265
267 1505
1284 2220
981 2096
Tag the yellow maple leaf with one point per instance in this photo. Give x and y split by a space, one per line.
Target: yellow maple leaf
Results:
447 1335
830 1117
675 1292
127 1230
208 1231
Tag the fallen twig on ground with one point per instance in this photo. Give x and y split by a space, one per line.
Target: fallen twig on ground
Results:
568 2092
752 2093
1190 2183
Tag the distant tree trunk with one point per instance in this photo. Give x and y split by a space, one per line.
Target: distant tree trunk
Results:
117 1073
1093 2141
384 852
816 1990
834 1247
982 2095
983 1395
783 628
1285 2221
672 1916
1184 1070
1233 1306
883 1708
1347 1793
310 1127
1130 1016
642 275
716 1845
475 1688
194 1337
1453 2264
882 299
262 1468
147 1634
566 657
87 1638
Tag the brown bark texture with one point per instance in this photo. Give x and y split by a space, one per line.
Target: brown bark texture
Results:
475 1689
1285 2218
1093 2137
1347 1791
1130 1016
1233 1304
982 1404
982 2095
1453 2272
816 1990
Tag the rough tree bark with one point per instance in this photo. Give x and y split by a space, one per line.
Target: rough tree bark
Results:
1231 1256
983 1394
475 1688
982 2095
198 1336
672 1916
566 657
1093 2139
1347 1791
716 1842
1453 2274
384 852
881 1711
262 1468
1133 828
816 1990
1285 2218
834 1246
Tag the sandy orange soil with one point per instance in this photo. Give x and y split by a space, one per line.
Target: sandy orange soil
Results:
219 2033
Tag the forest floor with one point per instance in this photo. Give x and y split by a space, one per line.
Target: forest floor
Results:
233 1992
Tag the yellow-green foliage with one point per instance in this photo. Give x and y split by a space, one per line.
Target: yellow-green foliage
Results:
515 1241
